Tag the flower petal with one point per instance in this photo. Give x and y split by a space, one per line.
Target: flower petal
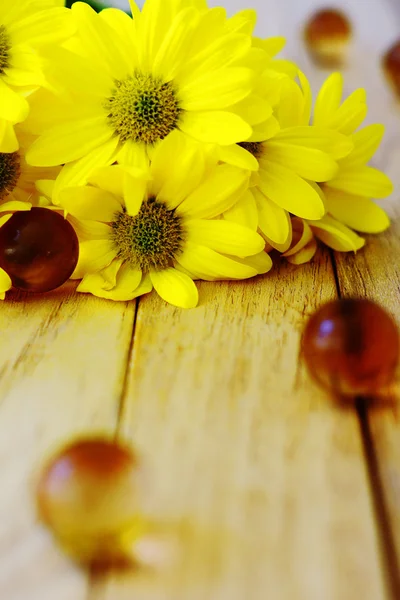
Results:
336 235
301 236
357 212
305 254
332 142
272 219
366 142
290 192
175 287
328 100
94 255
8 139
238 156
216 194
362 181
218 127
90 203
308 163
68 142
14 107
5 284
129 285
216 90
209 265
244 211
224 236
261 262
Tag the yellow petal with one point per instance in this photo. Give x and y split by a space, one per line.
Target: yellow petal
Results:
129 285
309 163
216 194
272 45
216 90
366 142
357 212
68 142
8 139
244 211
304 255
209 265
14 205
291 106
260 262
177 168
291 192
362 181
307 99
175 287
224 236
328 100
243 21
239 157
90 203
94 255
264 131
5 283
78 172
219 127
272 219
336 235
43 27
133 155
110 179
301 236
135 189
13 106
332 142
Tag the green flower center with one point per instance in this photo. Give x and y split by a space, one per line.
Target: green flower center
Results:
150 240
255 148
143 109
10 170
5 47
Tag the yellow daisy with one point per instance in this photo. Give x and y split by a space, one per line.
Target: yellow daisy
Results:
130 82
26 28
291 156
18 189
348 194
160 229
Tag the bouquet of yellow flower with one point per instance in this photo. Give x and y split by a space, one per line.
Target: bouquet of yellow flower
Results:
154 149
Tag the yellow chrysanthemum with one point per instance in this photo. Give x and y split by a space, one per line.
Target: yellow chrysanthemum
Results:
26 27
130 82
18 189
348 195
291 156
159 229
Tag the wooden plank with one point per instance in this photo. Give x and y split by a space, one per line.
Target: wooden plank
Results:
261 475
62 365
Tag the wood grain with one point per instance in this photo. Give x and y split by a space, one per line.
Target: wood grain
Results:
62 364
260 475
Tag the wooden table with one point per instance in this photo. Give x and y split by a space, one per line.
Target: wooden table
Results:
272 490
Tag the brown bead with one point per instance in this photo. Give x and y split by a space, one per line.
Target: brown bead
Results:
352 347
391 66
88 495
39 249
327 34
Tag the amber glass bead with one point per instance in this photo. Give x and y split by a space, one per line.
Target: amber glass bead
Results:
352 347
327 34
391 66
38 249
89 495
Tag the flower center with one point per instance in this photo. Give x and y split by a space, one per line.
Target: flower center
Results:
10 170
255 148
143 109
5 47
150 240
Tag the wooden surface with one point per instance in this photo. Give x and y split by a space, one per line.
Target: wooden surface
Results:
268 489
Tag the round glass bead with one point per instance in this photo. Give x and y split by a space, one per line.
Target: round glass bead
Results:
89 496
39 249
352 347
327 34
391 66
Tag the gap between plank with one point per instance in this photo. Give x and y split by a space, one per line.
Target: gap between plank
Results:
389 558
122 397
387 544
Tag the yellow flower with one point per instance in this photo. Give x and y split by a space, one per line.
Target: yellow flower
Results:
18 190
130 82
290 156
26 27
160 229
348 195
